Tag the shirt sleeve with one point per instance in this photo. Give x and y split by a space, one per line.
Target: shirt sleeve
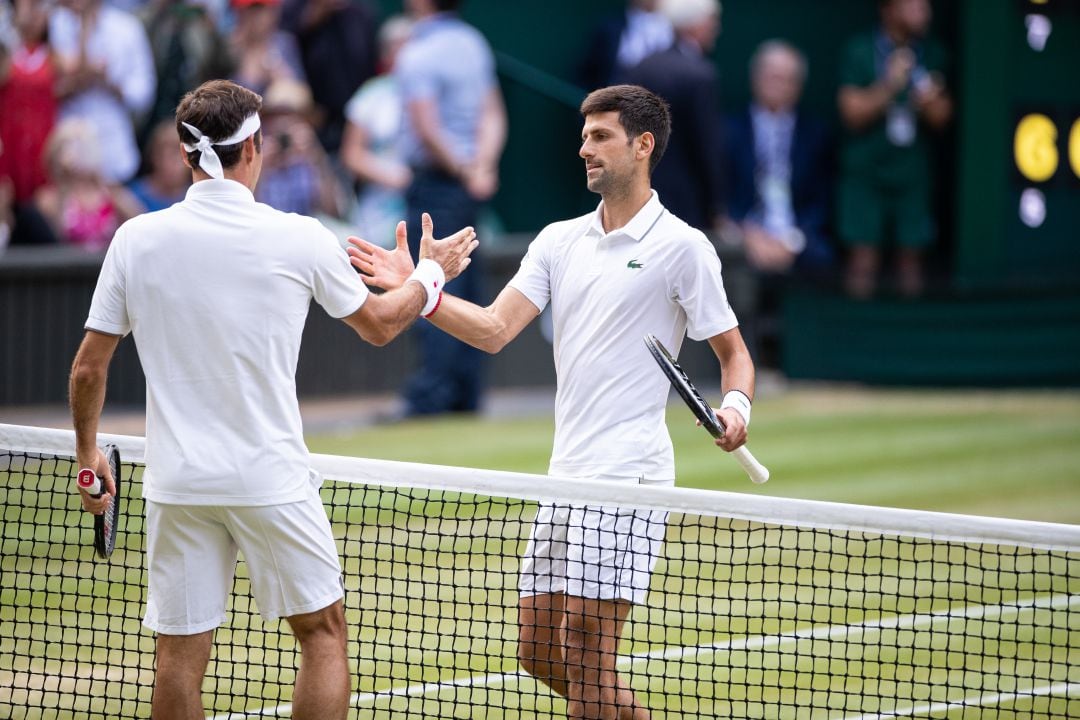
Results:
416 81
533 278
334 283
108 308
698 286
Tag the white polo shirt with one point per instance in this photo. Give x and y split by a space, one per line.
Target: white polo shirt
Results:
215 290
607 290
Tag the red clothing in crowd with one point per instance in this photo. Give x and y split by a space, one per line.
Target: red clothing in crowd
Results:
26 119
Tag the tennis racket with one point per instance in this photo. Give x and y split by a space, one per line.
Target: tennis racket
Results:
106 523
690 395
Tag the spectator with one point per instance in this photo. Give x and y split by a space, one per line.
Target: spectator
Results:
296 173
892 88
262 52
689 177
337 44
168 178
371 148
622 41
454 131
27 76
188 50
779 189
80 204
778 168
106 77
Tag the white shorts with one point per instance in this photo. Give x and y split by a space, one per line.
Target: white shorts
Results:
191 554
603 553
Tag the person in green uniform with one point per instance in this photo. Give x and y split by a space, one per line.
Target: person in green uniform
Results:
892 90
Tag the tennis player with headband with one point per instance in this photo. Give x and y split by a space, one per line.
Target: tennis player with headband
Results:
215 291
611 276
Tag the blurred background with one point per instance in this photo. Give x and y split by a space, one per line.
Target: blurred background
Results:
911 225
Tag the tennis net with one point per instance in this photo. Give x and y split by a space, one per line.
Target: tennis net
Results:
759 607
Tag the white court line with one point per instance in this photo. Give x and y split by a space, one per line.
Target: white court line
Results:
1066 689
1053 602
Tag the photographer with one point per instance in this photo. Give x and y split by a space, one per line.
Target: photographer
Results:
297 175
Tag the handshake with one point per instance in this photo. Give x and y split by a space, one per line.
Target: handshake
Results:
390 269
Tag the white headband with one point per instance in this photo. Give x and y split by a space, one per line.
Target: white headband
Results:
209 160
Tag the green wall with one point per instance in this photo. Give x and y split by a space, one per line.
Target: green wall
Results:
541 42
995 77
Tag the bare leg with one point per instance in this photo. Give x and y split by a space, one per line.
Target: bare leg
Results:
540 619
862 269
322 684
591 633
910 271
181 665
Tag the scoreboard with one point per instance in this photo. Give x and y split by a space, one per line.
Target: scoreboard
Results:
1019 219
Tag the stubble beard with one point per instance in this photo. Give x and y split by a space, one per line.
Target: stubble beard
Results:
609 184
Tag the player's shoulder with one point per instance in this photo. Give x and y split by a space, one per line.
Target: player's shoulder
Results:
678 233
566 229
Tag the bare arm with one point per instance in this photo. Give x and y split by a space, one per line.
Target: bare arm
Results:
89 372
481 176
737 373
425 118
934 105
368 167
383 317
861 107
487 328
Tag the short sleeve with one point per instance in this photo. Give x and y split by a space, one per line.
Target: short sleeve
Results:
108 308
698 286
334 283
533 278
415 81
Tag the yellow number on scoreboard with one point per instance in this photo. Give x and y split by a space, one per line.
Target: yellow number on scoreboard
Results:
1035 147
1074 147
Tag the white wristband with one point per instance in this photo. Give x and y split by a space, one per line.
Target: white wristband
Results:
740 401
431 277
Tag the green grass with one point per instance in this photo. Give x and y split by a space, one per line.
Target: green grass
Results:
998 453
742 621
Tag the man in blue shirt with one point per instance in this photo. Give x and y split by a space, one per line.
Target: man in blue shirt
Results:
453 135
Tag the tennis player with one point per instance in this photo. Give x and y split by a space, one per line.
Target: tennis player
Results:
215 290
611 276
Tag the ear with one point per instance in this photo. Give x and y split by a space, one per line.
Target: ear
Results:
645 144
184 157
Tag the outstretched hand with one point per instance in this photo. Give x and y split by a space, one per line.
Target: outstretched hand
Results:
452 253
386 269
389 269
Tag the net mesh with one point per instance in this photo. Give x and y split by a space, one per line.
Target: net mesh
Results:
744 619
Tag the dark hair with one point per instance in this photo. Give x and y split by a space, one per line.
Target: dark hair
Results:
217 108
640 111
446 5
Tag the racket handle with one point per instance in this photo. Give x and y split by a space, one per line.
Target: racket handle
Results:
757 472
89 482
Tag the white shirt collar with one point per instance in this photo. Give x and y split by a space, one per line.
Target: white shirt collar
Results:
219 188
639 225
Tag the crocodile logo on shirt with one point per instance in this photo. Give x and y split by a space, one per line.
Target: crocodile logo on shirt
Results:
634 265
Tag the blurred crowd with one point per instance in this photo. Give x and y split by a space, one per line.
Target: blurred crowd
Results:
88 90
366 123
